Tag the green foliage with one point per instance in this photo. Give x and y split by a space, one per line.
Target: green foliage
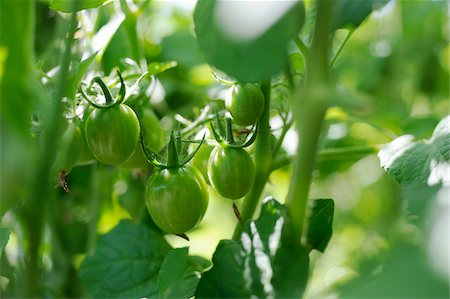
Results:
260 264
350 14
4 237
419 162
336 90
253 60
125 263
180 274
320 224
73 6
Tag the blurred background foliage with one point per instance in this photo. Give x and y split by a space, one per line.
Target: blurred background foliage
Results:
394 71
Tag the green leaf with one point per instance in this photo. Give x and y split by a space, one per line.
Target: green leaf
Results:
125 263
156 68
261 264
180 274
419 162
320 226
250 58
70 6
351 13
76 75
4 237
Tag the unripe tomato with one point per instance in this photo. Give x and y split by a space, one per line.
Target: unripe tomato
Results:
200 160
112 133
73 146
86 156
230 171
153 136
247 104
177 198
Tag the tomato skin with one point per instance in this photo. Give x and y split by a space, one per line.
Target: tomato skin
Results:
200 160
177 198
247 104
112 133
230 171
72 141
153 136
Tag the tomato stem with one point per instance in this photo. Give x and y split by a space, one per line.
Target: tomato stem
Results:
229 131
108 97
262 161
172 153
310 104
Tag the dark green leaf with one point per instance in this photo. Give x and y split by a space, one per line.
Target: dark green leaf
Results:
320 226
261 264
180 274
419 162
4 237
70 6
351 13
252 59
125 263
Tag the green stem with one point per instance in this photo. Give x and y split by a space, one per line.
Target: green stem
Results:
172 152
229 131
94 208
310 105
262 159
331 154
108 97
42 191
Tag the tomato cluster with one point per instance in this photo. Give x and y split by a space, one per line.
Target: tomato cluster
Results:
176 193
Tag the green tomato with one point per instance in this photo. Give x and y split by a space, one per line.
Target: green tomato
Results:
152 134
86 156
230 171
200 160
112 133
247 104
72 145
177 198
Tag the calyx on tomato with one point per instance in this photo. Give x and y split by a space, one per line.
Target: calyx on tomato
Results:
176 194
112 130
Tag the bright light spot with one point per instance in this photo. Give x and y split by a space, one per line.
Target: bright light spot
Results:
438 242
274 238
337 131
247 20
394 150
103 36
290 142
439 173
262 260
380 49
157 92
334 274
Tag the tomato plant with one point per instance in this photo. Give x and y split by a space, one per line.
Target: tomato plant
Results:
326 125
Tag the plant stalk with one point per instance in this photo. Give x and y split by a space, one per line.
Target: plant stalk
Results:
262 161
32 212
310 105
